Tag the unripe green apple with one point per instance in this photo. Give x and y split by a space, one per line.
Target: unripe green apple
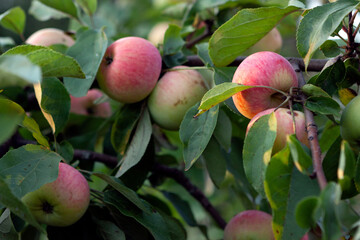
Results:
285 126
86 105
350 123
173 95
270 42
50 36
62 202
250 224
129 69
263 69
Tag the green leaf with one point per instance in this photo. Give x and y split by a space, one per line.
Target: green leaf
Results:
183 207
328 136
11 114
95 43
195 133
27 168
314 91
203 53
282 184
242 31
218 94
306 212
55 101
173 44
215 162
323 105
125 122
89 6
257 150
330 77
66 6
31 125
301 159
151 219
223 131
330 49
330 199
318 24
52 63
14 20
138 144
11 74
16 206
43 13
7 229
123 190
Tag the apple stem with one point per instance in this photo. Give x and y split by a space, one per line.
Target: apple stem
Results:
311 129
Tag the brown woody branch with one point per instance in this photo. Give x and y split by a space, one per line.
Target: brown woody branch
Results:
311 129
315 65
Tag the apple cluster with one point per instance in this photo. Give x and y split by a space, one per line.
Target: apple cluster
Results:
275 72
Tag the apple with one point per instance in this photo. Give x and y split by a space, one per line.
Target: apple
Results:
50 36
86 105
350 123
62 202
157 33
174 94
250 224
130 69
285 126
270 42
263 69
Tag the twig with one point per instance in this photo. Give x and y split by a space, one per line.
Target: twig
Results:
180 178
207 33
311 129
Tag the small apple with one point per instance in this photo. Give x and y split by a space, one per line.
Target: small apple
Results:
62 202
86 105
262 69
250 224
50 36
270 42
157 33
130 69
285 126
350 123
173 95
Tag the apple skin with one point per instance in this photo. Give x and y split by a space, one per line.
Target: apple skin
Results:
130 69
50 36
62 202
284 126
270 42
262 69
174 94
85 105
250 224
350 123
157 33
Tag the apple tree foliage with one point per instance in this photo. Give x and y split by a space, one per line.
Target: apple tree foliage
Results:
150 183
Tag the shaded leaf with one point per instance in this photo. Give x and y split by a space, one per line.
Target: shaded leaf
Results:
109 231
89 6
330 48
323 105
301 159
306 210
223 131
11 114
195 133
138 144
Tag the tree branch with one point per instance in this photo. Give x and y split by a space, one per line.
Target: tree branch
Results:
311 129
315 65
